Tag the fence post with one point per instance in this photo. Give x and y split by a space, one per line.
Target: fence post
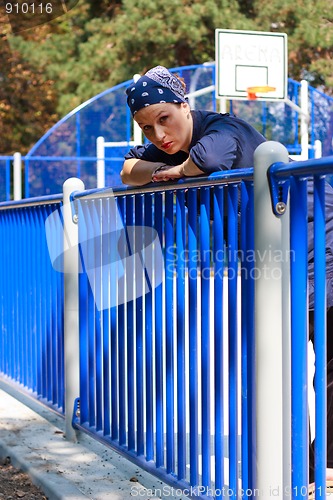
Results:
271 259
318 149
17 176
304 118
100 152
71 305
137 132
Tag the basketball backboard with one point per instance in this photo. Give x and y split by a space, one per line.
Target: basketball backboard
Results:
246 59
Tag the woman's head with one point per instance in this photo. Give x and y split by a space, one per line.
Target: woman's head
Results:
157 102
156 86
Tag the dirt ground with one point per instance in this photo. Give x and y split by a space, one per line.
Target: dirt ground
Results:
16 484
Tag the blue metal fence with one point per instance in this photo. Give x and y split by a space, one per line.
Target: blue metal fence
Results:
31 302
5 177
150 361
166 316
311 211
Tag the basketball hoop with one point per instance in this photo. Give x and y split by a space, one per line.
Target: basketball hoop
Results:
261 89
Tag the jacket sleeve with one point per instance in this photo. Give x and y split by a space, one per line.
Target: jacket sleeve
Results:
146 152
215 151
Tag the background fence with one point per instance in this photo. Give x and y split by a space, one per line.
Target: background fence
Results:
167 356
69 148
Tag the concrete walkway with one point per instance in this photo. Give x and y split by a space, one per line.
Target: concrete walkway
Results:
33 436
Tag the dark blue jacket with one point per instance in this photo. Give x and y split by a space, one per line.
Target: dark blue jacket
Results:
219 142
329 243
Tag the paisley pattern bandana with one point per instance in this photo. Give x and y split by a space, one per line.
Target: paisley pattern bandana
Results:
158 85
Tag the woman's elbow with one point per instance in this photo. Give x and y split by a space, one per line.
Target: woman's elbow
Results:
127 178
123 177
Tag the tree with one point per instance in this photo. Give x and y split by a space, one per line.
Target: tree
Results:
27 106
172 33
85 56
309 26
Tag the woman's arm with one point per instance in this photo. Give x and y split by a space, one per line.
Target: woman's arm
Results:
186 169
138 172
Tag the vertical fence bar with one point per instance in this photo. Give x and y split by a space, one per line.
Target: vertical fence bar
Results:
286 349
193 331
130 332
112 339
8 179
180 287
39 316
299 337
248 267
71 312
169 341
107 241
158 291
304 126
320 338
90 256
233 337
23 299
218 234
17 176
83 320
98 330
246 359
121 333
54 336
205 332
139 327
148 259
268 323
100 164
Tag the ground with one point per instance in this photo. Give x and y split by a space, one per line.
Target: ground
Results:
16 484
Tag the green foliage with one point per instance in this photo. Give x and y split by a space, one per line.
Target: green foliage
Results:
173 33
310 36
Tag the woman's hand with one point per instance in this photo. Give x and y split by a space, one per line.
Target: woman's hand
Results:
168 173
186 169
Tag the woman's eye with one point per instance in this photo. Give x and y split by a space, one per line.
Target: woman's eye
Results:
146 128
163 118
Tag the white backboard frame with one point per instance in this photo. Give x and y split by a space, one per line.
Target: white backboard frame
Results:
251 58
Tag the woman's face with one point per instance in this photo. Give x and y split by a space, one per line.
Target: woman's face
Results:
168 126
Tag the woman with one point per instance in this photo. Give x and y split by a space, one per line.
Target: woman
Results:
190 143
183 143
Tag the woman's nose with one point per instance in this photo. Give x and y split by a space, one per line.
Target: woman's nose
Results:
159 133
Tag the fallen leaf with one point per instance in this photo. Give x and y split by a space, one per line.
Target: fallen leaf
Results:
20 493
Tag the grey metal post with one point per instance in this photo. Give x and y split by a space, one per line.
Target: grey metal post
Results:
269 323
17 176
71 305
100 151
304 118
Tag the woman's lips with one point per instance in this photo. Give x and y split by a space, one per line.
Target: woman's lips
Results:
166 145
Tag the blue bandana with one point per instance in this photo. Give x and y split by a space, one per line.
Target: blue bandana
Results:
157 86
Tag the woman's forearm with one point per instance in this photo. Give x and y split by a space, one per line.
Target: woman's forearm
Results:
138 172
190 169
